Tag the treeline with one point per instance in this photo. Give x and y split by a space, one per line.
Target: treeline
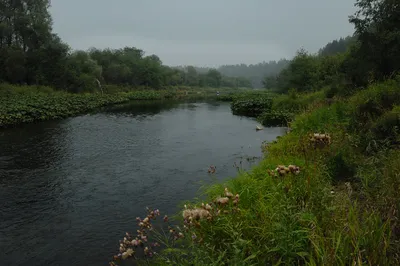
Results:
337 46
256 73
371 55
203 76
31 54
253 73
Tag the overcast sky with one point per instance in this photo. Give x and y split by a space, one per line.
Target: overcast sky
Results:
204 32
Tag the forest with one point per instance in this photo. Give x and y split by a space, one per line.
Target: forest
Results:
31 54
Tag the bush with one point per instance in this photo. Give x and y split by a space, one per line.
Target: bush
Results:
251 105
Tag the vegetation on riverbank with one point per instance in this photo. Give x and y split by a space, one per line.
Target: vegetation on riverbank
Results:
339 208
34 59
24 104
326 193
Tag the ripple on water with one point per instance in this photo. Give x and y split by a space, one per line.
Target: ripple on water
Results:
69 189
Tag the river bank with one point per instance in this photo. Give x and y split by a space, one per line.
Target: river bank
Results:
26 104
326 193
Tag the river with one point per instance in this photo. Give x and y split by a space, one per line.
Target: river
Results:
70 189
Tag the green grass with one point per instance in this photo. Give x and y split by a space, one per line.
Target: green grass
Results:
341 209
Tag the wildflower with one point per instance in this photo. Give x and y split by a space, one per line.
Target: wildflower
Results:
222 201
165 218
194 236
181 235
157 212
236 199
195 213
135 242
283 170
128 253
146 251
228 194
320 139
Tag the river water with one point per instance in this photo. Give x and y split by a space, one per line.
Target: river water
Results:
70 189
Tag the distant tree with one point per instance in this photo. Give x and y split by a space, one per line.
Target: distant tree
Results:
191 77
254 72
214 78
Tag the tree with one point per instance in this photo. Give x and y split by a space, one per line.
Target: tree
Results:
191 77
214 78
377 25
83 72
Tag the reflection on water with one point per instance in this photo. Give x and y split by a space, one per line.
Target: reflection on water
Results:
139 108
69 189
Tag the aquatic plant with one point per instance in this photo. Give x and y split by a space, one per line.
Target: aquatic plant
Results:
25 104
251 107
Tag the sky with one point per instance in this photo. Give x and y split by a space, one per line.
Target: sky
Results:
204 32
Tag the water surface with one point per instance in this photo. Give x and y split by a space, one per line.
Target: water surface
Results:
69 189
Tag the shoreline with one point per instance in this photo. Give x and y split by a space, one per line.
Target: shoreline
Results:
25 106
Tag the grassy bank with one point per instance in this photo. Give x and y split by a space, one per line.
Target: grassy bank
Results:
326 199
273 109
24 104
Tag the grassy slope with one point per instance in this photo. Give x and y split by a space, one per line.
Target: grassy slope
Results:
342 209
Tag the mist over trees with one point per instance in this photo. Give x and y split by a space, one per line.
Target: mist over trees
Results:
254 73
